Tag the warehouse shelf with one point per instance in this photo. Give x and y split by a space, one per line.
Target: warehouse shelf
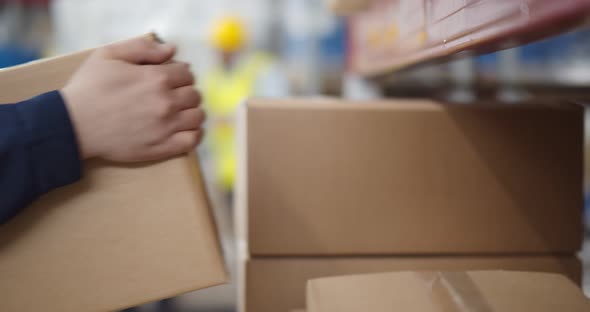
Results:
390 35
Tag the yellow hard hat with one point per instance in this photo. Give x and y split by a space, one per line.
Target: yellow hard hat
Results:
229 34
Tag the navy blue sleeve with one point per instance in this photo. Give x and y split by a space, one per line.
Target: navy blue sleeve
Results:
38 151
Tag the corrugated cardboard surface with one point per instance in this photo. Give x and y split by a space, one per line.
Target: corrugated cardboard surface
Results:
278 284
446 291
122 236
325 177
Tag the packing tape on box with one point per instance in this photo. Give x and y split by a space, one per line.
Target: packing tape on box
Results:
455 292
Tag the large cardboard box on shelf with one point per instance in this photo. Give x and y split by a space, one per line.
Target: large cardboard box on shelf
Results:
123 236
446 291
278 284
450 27
448 20
380 31
326 177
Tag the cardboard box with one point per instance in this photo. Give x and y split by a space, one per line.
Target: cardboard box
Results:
278 284
124 235
449 20
453 27
345 7
446 291
326 177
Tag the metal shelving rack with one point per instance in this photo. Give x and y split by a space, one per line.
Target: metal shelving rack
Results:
390 35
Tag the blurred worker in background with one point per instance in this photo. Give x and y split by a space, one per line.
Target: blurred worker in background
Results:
240 74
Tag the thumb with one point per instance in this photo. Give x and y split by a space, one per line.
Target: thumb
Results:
141 51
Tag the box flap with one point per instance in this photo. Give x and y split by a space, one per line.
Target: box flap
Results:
124 235
446 291
272 284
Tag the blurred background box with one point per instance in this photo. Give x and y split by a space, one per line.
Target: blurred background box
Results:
450 19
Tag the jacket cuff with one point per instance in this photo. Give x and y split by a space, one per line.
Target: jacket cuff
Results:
52 141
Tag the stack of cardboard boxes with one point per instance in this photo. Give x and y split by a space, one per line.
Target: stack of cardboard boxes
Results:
331 188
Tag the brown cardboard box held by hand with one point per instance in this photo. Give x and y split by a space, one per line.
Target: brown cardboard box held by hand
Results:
123 236
446 291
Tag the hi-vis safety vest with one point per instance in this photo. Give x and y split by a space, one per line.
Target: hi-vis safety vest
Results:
223 92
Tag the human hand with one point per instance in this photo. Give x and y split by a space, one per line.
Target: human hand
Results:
129 103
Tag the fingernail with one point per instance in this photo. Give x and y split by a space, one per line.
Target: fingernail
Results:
168 47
